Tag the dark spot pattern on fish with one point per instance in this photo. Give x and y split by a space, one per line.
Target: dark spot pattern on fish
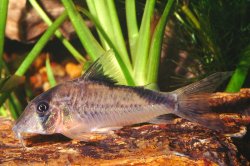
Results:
44 120
155 97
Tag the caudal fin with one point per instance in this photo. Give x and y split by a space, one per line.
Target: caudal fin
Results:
193 101
196 109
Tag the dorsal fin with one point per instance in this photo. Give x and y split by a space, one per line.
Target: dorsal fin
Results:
95 73
105 69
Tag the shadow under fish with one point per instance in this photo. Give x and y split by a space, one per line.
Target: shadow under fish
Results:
96 104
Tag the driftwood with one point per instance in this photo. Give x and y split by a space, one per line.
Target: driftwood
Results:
25 25
178 143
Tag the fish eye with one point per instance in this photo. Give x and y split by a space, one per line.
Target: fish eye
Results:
42 107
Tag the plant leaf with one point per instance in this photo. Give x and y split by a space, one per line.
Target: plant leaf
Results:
40 44
9 83
142 44
240 73
58 34
105 13
3 16
155 48
132 26
50 74
126 68
91 45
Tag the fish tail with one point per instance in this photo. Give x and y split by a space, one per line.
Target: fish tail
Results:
196 108
193 101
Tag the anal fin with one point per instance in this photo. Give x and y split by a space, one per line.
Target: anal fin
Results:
97 134
90 137
164 119
106 130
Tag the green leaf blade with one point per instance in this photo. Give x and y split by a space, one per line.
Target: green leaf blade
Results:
241 72
117 33
156 43
40 44
92 47
51 78
3 17
104 12
7 84
131 26
58 34
126 68
142 45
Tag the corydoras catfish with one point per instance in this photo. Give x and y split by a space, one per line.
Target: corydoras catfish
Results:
94 103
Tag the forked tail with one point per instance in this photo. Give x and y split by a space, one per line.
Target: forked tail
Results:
193 101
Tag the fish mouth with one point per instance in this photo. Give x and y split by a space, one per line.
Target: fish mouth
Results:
30 127
28 122
18 135
18 132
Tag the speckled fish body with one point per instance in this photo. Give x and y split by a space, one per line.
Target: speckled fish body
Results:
100 107
95 104
89 106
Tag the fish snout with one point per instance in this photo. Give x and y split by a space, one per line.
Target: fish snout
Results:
27 123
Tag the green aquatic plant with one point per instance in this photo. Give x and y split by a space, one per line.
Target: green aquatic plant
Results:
33 54
7 83
3 17
215 34
51 78
133 62
140 62
58 34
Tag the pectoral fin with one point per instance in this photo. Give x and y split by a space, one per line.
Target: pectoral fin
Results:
96 134
106 130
